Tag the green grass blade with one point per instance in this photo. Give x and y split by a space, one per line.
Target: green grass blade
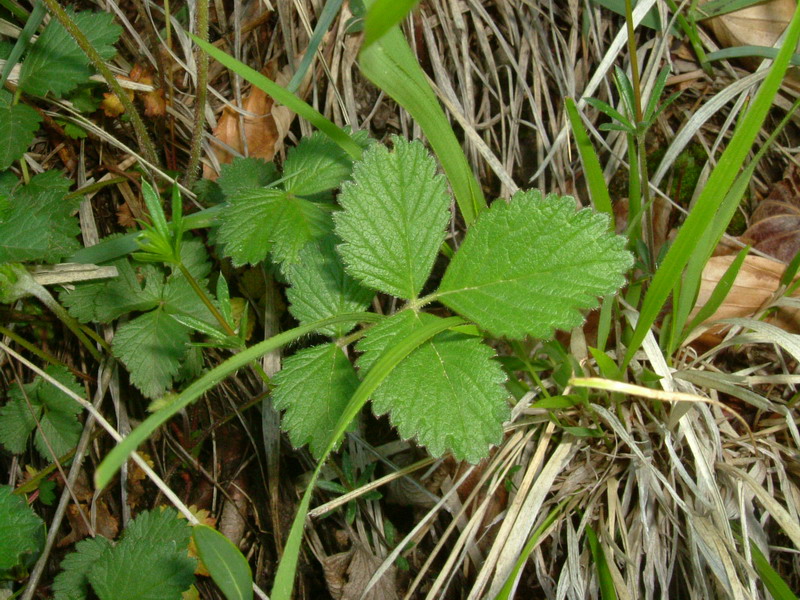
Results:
326 17
533 541
110 249
749 52
773 582
714 192
384 15
716 8
607 589
120 453
685 295
721 291
285 97
284 578
598 190
226 564
23 41
390 64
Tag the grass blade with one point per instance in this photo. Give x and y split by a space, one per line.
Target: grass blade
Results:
715 190
607 589
390 64
384 15
284 579
285 97
323 24
598 190
120 453
775 585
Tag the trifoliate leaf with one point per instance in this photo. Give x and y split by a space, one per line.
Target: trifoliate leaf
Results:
152 347
55 410
104 301
73 581
314 387
393 222
245 174
448 393
150 563
18 124
317 164
263 220
55 63
321 288
21 531
39 224
529 266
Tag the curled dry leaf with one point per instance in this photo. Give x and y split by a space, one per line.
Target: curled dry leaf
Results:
775 224
752 291
265 124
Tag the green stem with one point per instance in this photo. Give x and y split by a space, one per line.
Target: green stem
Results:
41 293
149 150
200 96
93 187
641 132
206 300
32 348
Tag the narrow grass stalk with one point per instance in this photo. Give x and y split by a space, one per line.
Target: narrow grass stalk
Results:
98 63
284 578
119 454
702 216
200 97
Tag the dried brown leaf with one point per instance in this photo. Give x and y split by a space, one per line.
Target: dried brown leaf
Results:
348 573
775 224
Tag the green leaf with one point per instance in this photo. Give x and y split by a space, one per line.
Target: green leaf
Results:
228 567
448 393
150 563
383 15
119 454
18 124
318 164
258 221
73 581
39 225
152 347
314 387
21 531
56 64
772 581
701 222
321 288
391 65
394 218
54 409
105 301
246 173
531 265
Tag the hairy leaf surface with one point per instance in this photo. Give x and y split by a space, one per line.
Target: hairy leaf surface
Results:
529 266
448 393
21 530
246 173
394 218
152 347
73 581
321 288
259 221
38 224
56 64
55 411
18 124
314 387
317 164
